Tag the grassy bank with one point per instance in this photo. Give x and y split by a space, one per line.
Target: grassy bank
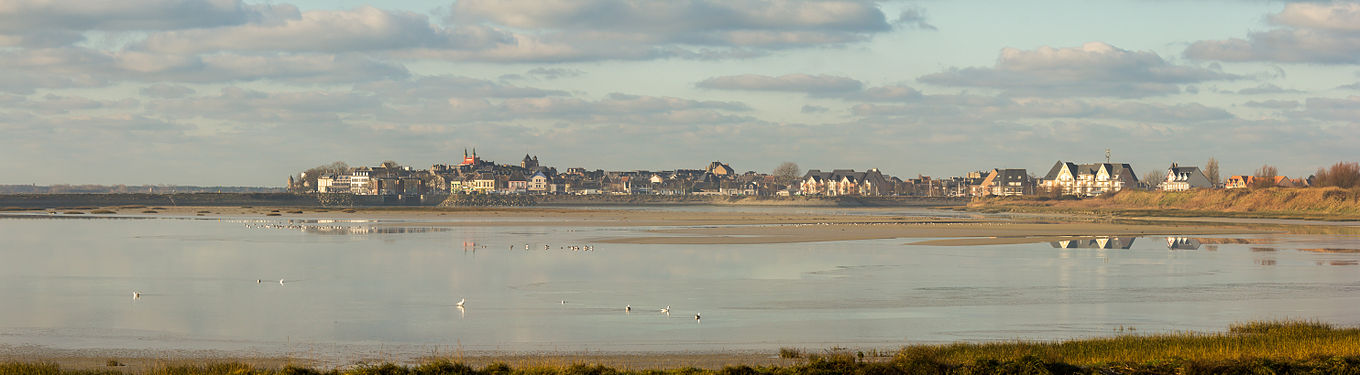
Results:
1285 203
1251 348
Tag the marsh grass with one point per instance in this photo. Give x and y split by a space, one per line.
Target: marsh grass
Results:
1267 347
101 212
1330 203
790 353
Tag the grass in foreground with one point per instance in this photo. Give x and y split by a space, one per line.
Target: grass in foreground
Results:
1271 347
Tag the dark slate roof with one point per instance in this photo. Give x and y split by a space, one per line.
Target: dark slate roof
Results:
1057 168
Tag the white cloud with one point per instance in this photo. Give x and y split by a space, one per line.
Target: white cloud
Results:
690 22
90 65
1266 88
1326 33
58 23
1345 110
811 84
439 88
808 108
362 29
250 107
167 91
953 108
1273 104
579 30
914 17
1094 69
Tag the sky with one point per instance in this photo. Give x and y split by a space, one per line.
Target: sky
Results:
246 93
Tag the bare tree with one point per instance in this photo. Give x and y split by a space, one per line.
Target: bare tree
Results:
786 173
1154 178
1341 174
324 169
1265 176
1211 170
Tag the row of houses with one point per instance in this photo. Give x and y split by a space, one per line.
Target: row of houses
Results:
477 176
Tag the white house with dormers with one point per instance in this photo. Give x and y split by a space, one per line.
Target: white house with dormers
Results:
843 182
1180 178
1088 179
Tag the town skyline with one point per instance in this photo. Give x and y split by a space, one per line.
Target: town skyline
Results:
238 93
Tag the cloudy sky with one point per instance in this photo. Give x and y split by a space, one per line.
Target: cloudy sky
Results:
228 92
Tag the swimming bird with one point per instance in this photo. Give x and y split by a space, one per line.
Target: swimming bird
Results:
696 317
280 281
564 302
136 295
257 281
460 302
628 308
667 309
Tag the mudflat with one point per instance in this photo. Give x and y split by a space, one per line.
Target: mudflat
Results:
717 228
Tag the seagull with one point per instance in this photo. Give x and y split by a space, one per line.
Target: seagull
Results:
136 295
564 302
696 317
460 302
257 281
628 308
280 281
666 310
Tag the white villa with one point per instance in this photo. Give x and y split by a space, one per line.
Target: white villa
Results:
1088 179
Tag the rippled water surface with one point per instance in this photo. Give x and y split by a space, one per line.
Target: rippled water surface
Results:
215 284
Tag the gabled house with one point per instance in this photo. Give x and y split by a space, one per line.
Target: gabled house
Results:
844 182
1238 182
1006 182
1180 178
1088 179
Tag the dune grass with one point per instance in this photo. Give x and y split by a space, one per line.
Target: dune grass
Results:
1330 203
1267 347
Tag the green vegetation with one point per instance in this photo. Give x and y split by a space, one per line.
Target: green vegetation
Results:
102 212
1272 347
1330 203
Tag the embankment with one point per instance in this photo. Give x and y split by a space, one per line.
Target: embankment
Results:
1286 203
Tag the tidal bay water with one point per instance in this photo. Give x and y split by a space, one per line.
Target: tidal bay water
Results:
67 283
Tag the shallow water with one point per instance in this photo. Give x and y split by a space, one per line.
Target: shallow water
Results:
352 285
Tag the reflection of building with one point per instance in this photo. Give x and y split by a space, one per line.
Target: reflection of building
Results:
1095 243
1182 243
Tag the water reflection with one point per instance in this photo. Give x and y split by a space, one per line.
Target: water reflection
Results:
1095 243
1182 243
212 284
316 227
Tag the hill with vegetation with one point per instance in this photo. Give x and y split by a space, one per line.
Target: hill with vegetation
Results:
1328 203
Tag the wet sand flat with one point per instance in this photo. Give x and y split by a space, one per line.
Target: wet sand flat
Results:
973 233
